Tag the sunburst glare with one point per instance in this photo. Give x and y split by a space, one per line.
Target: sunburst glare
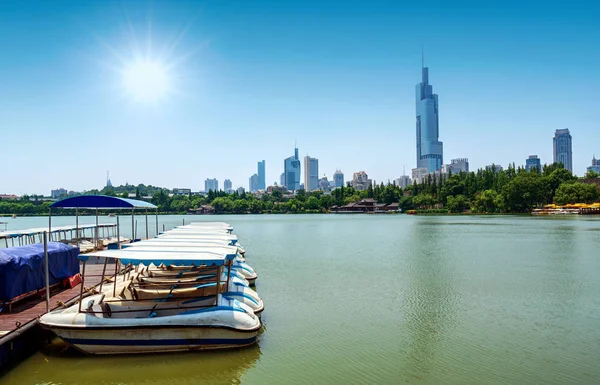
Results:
146 80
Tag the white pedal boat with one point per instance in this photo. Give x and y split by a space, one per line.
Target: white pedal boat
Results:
140 328
160 323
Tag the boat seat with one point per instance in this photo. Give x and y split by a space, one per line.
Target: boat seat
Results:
107 311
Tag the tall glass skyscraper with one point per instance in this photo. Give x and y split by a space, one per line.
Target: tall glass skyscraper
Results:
291 172
262 185
430 151
311 173
563 152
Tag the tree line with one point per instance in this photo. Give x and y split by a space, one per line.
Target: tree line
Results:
514 190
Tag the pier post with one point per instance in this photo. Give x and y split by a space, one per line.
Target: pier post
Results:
46 272
156 222
146 223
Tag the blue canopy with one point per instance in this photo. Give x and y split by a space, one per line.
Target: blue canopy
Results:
101 202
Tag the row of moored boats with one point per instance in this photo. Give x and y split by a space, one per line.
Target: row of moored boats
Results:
189 288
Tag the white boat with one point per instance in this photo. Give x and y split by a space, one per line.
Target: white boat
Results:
113 324
137 329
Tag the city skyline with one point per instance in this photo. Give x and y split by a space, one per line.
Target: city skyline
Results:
258 75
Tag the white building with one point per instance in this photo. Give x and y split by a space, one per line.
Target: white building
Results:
361 181
418 174
59 192
211 184
403 182
456 166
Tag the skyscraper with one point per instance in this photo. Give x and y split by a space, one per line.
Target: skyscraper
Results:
430 151
338 178
211 184
563 152
291 171
595 167
227 185
533 162
311 173
262 184
253 183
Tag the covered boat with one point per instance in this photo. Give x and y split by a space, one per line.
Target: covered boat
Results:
104 324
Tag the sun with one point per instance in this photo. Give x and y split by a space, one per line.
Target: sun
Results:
146 80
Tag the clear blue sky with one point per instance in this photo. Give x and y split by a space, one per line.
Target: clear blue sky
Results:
248 78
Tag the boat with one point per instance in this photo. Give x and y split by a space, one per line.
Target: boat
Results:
115 323
14 216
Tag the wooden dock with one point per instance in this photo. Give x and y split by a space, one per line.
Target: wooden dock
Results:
20 334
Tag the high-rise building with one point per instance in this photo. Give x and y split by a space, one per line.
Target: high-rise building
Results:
211 185
418 174
361 181
253 183
459 165
311 173
55 194
563 151
227 185
494 167
262 184
430 151
533 162
338 178
595 165
323 183
403 182
291 171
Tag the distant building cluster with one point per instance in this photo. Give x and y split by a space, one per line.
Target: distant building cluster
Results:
595 167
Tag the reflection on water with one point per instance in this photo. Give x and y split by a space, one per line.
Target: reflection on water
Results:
57 363
431 300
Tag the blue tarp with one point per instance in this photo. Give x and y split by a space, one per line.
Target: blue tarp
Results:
22 268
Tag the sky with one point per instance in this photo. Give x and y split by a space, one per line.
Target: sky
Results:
242 81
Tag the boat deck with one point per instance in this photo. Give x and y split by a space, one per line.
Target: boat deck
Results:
27 311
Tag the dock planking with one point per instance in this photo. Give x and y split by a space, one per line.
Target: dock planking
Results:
28 310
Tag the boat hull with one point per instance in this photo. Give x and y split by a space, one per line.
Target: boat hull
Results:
153 340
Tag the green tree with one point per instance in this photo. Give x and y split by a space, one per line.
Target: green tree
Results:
574 192
312 203
457 204
524 192
591 175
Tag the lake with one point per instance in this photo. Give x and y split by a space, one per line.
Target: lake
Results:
386 299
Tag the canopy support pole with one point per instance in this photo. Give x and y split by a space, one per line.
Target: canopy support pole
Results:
228 273
103 272
132 225
50 222
157 221
218 285
146 223
118 234
46 271
97 232
77 233
81 289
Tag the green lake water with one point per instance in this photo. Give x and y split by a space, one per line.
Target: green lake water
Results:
387 299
